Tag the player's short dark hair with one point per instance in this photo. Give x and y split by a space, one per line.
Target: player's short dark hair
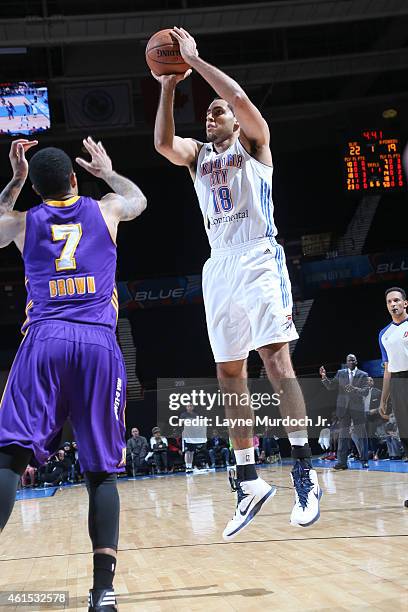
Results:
50 170
228 104
401 291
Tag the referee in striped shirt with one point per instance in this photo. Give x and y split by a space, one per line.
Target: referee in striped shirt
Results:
393 341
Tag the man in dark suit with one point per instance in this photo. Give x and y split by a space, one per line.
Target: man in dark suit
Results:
352 387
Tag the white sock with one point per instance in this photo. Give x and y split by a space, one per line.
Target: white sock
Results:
298 438
188 458
245 456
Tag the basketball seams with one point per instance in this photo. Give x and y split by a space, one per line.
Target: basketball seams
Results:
168 63
163 45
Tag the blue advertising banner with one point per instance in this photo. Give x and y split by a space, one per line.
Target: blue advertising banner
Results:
151 293
359 269
374 367
339 272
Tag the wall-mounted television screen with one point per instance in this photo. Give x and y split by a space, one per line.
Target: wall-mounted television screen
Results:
24 108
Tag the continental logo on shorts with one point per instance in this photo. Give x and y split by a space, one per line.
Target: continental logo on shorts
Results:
116 403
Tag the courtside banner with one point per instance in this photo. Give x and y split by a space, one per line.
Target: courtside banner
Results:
151 293
346 271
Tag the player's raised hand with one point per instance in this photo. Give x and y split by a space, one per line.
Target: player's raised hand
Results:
322 372
17 157
171 79
187 44
100 164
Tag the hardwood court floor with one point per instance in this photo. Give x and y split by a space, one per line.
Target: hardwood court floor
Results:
172 555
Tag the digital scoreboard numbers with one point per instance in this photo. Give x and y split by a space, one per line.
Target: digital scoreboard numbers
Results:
373 162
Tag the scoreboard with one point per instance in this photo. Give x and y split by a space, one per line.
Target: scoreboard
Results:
372 162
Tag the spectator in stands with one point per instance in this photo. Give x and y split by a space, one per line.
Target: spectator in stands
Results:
257 452
373 417
352 387
28 478
175 452
269 447
55 471
218 450
77 468
159 446
136 451
391 436
65 464
70 460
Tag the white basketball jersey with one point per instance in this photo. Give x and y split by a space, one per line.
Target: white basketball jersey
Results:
235 195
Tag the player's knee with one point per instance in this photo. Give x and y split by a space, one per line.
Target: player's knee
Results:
232 369
277 361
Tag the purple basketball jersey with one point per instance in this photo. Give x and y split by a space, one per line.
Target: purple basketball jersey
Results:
69 363
70 264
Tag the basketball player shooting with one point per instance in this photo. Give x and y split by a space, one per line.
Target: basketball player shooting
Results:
246 287
69 363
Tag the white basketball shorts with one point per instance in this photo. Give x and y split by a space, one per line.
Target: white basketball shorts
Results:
247 298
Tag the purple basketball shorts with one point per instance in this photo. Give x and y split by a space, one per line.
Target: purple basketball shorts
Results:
67 370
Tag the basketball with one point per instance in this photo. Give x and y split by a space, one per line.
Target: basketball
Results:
163 54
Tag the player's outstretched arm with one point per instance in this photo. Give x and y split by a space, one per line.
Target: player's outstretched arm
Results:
180 151
19 166
254 128
12 229
12 223
127 202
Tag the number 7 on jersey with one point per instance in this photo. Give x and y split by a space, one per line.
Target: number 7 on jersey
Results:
71 233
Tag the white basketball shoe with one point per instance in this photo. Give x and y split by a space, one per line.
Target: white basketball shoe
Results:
252 496
308 493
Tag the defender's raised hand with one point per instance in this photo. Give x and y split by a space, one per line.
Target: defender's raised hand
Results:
100 164
17 157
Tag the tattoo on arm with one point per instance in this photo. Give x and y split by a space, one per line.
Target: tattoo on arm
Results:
10 194
134 199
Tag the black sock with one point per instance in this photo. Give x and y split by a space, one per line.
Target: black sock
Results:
104 571
246 472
